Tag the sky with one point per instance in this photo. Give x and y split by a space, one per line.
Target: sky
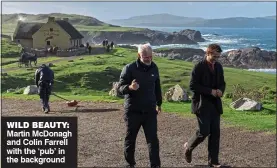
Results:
105 11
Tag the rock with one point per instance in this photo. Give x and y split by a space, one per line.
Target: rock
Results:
11 90
245 104
195 58
252 57
180 53
31 89
192 34
50 64
113 92
176 93
247 58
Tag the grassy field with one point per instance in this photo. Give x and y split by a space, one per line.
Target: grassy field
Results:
92 77
9 49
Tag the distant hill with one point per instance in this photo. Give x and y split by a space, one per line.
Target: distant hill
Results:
155 20
168 20
73 19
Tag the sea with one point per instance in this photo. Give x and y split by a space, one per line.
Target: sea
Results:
229 39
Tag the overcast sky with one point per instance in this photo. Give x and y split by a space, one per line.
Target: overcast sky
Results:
121 10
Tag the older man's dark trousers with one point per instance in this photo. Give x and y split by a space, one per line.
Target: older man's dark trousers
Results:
209 125
44 90
134 120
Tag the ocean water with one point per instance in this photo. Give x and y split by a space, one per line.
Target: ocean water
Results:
229 38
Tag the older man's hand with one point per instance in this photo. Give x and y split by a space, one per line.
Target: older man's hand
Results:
134 85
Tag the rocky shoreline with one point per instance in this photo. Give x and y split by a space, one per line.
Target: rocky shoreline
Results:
245 58
154 37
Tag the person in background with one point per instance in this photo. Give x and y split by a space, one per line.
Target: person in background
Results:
44 78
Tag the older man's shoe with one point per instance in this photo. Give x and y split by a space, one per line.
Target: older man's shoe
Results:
188 153
214 165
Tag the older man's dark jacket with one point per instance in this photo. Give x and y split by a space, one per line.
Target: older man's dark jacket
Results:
203 80
149 95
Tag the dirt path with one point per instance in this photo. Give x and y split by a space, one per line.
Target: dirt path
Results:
101 136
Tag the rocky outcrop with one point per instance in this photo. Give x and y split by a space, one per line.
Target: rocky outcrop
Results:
246 58
186 54
252 57
245 104
192 34
145 36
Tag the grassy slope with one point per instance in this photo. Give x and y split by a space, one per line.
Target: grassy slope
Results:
82 23
90 79
9 49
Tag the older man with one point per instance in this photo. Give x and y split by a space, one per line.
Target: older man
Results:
208 85
140 83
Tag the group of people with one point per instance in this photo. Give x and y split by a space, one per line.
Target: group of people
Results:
108 46
140 83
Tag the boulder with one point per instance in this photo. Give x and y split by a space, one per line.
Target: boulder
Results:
50 64
192 34
31 89
114 92
246 104
11 90
176 93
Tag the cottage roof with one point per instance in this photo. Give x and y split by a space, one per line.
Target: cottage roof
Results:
25 30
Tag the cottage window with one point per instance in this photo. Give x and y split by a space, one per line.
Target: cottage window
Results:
51 29
48 42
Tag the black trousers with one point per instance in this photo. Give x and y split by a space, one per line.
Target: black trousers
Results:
44 91
148 121
209 125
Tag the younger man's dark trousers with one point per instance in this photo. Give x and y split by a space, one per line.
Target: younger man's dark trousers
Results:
209 125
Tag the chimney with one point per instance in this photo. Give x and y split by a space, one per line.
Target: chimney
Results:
51 19
65 19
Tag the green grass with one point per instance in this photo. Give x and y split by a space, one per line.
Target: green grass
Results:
91 78
8 29
9 49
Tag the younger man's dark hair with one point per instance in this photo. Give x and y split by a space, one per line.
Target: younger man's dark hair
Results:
213 47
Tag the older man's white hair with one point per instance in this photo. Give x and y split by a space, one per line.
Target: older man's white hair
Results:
144 48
